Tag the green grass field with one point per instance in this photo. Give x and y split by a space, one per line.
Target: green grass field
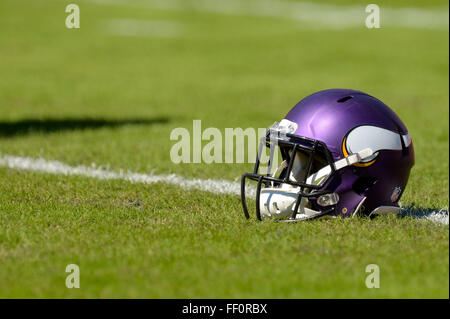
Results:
95 95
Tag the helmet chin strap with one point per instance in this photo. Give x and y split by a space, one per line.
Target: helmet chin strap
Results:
279 202
318 177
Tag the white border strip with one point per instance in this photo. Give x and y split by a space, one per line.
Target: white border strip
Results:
208 185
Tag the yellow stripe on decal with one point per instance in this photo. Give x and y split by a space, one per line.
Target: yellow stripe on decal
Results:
345 152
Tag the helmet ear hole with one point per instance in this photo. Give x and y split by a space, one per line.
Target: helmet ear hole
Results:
362 184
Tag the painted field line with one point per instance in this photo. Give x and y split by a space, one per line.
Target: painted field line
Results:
99 172
207 185
438 216
314 15
142 28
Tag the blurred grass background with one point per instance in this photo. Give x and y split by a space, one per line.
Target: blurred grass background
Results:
92 95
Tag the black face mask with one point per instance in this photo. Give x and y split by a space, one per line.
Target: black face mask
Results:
300 158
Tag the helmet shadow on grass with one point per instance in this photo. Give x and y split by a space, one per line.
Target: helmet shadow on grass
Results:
49 125
440 215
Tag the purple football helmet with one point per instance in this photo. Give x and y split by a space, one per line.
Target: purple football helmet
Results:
342 153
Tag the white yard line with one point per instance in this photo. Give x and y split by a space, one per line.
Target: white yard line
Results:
314 15
59 168
207 185
439 217
142 28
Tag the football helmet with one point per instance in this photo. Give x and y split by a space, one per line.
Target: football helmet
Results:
341 153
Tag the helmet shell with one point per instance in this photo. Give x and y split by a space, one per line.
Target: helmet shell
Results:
329 116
